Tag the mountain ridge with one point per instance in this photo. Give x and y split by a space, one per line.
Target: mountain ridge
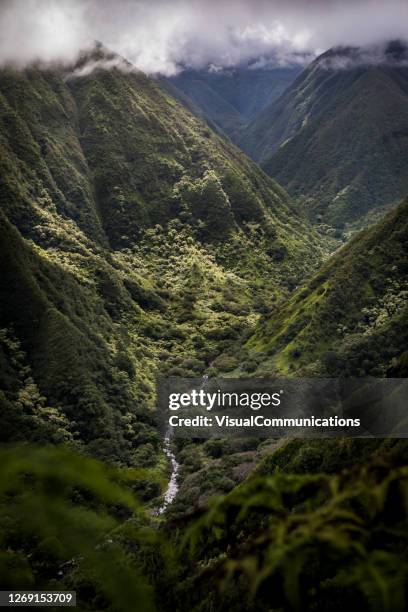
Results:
337 138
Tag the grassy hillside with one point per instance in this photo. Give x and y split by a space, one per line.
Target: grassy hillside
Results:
337 138
351 318
134 240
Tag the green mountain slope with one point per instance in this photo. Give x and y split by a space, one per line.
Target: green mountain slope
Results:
351 318
338 137
68 372
231 98
188 103
224 115
134 240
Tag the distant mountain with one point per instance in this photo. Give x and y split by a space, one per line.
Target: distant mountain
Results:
232 97
352 317
133 239
337 139
202 99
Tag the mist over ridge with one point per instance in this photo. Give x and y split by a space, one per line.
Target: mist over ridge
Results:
162 37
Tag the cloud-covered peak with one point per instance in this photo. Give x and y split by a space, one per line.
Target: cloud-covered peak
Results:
159 36
389 53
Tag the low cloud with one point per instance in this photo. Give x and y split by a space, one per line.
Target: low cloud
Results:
394 53
164 37
83 69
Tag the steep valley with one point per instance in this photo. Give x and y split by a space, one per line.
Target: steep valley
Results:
137 242
134 240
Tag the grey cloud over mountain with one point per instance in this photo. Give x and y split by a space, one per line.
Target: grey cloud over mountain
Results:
161 36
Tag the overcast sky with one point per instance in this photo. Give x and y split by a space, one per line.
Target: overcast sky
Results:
162 35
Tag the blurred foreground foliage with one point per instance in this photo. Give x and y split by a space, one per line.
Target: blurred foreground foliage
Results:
275 542
63 517
307 542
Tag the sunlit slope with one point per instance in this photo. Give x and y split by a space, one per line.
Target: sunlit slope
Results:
351 318
133 239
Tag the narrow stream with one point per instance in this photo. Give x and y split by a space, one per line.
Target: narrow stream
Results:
172 487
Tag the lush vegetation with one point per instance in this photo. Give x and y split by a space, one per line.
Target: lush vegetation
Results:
309 541
64 520
134 241
351 318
